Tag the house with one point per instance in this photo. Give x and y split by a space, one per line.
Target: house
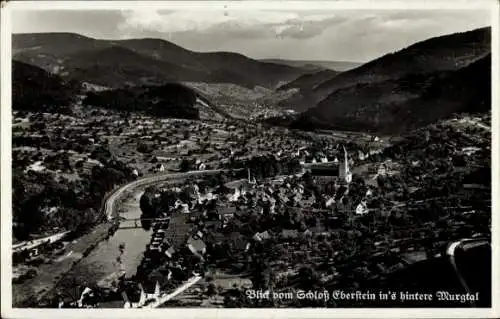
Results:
289 233
362 156
261 236
369 193
148 292
329 202
283 198
170 252
235 196
37 166
86 298
196 245
414 257
89 164
206 197
308 202
362 209
181 207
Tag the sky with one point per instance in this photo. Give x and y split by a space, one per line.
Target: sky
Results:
341 35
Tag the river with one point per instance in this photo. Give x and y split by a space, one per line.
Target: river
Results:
102 261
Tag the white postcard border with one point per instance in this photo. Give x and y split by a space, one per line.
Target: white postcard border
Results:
6 188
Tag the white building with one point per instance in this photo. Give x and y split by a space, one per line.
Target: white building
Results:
382 170
144 298
362 209
330 202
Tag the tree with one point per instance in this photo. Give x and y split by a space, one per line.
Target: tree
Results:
147 202
211 290
144 148
185 165
308 278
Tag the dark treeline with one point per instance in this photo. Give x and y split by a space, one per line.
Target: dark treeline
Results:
169 100
35 89
266 166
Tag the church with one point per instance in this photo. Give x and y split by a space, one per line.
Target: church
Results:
339 169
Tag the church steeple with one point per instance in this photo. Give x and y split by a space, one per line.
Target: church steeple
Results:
347 171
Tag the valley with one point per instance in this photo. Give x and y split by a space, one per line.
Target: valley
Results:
184 178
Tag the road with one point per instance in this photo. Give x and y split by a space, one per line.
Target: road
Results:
166 297
37 242
110 211
31 291
50 275
109 205
471 261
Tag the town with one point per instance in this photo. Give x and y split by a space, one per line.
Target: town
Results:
286 209
294 157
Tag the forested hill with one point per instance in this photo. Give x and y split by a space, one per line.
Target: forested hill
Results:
35 89
169 100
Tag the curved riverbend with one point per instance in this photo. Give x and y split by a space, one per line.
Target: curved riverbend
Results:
102 262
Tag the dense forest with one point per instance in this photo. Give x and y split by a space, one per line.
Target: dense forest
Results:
169 100
34 89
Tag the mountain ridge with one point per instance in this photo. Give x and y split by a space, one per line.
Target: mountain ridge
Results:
317 65
387 94
51 50
402 104
447 52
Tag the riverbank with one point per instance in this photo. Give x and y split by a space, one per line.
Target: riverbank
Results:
32 292
36 291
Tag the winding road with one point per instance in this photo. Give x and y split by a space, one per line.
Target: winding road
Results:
109 208
110 203
50 276
468 258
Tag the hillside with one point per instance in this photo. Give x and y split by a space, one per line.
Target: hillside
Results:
384 94
49 50
35 89
394 106
157 60
449 52
117 66
444 53
309 80
304 84
168 100
314 65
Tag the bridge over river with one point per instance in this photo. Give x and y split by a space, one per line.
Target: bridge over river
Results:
131 223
